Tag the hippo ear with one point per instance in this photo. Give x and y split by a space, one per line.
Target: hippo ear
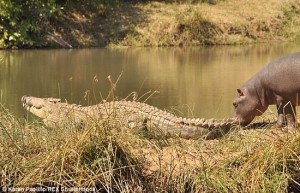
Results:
240 92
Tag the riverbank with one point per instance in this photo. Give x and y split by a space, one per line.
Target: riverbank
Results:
159 23
107 157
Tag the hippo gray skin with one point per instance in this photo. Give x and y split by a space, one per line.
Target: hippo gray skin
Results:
277 83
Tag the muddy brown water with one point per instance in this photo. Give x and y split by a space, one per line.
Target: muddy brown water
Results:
194 82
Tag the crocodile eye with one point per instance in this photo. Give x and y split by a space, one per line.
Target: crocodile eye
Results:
54 100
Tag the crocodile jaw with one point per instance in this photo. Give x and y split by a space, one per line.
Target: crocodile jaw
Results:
45 108
35 105
54 112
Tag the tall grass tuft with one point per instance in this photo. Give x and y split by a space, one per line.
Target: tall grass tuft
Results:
68 157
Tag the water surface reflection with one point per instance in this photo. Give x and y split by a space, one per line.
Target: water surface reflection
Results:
198 82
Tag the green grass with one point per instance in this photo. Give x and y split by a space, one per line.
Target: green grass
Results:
108 157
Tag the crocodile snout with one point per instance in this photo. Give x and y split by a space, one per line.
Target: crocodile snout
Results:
25 100
30 102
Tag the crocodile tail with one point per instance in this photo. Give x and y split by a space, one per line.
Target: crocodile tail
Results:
203 128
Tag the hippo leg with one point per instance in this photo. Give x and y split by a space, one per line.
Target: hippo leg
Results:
286 115
281 122
290 113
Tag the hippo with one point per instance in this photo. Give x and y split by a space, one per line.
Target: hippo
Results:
277 83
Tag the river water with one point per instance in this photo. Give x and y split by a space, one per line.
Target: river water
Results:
194 82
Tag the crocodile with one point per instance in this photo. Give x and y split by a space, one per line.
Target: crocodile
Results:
56 113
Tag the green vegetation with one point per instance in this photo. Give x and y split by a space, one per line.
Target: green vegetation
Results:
108 157
147 23
26 23
23 22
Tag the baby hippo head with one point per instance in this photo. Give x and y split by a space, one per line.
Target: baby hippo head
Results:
247 105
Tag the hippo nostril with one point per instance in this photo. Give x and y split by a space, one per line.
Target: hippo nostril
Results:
234 104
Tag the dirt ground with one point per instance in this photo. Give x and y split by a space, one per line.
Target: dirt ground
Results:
175 156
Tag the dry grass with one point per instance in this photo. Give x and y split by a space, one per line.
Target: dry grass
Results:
226 22
181 23
113 159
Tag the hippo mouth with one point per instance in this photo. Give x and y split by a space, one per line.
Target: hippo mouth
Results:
242 121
